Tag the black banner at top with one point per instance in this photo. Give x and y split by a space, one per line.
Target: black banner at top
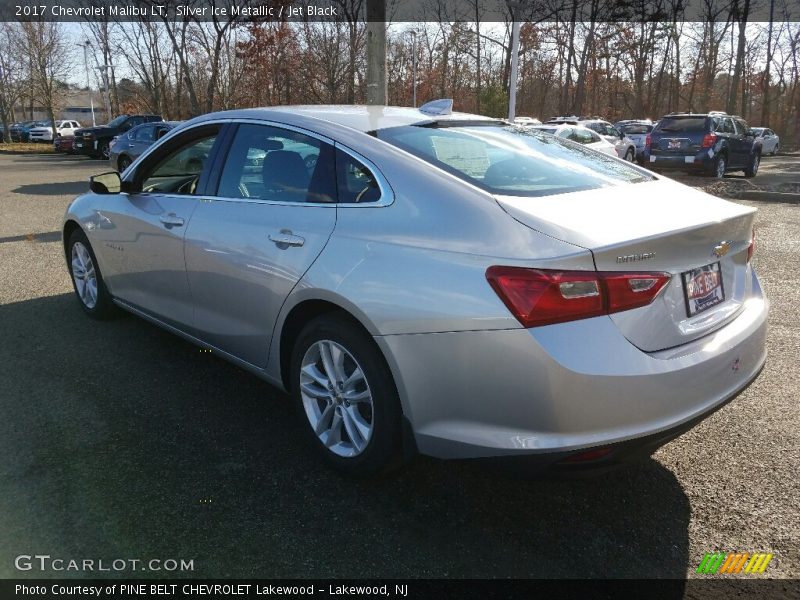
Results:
400 10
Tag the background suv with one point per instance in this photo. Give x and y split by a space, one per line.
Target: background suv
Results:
713 143
95 141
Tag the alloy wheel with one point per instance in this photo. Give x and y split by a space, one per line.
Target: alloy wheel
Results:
336 398
84 275
756 162
721 167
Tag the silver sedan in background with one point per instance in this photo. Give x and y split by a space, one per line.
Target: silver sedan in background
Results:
434 282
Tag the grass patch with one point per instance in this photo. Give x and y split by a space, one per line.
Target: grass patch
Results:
26 148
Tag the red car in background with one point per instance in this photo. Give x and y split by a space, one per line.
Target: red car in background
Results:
64 144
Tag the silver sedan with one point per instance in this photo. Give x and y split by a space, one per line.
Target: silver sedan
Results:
426 281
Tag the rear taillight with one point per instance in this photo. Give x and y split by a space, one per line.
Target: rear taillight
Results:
647 141
709 140
752 247
539 297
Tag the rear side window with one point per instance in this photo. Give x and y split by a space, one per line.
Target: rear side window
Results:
682 125
355 182
509 160
278 165
741 126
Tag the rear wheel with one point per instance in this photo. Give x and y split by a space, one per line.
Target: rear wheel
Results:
720 166
630 155
346 394
753 168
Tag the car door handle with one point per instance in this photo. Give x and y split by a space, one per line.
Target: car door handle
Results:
171 220
287 238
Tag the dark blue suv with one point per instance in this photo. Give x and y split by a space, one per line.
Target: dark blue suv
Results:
711 143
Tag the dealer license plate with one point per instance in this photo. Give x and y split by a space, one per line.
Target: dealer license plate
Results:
703 288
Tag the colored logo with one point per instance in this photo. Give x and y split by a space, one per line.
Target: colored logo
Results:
734 562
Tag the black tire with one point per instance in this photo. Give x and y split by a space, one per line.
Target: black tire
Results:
776 149
720 166
123 162
630 155
751 170
104 307
383 449
102 150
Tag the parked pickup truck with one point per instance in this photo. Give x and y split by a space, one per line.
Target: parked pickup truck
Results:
95 141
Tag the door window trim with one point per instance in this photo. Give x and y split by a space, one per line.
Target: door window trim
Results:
387 194
157 152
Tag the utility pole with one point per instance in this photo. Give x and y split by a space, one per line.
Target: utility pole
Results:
414 65
512 82
376 52
104 70
85 47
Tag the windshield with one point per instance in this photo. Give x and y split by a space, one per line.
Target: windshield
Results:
118 121
758 130
510 160
682 124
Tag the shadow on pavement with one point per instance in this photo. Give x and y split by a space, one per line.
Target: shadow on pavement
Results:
125 441
53 189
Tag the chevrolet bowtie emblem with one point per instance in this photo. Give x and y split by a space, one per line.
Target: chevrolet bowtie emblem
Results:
722 249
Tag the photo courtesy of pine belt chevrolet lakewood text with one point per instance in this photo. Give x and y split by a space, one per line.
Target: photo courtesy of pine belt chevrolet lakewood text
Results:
424 281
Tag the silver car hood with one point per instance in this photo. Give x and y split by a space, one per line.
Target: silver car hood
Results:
609 216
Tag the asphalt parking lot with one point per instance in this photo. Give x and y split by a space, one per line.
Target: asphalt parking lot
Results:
122 441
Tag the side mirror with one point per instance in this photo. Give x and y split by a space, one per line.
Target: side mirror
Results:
106 183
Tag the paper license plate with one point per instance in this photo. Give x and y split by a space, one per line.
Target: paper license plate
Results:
703 288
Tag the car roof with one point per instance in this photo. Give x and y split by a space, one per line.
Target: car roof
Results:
360 118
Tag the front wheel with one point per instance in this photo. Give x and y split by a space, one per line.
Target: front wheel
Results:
123 163
346 394
87 280
775 150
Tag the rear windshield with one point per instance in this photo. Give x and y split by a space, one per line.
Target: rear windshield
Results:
637 128
511 160
682 124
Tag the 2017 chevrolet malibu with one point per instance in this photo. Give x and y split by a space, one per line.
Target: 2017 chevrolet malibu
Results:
434 282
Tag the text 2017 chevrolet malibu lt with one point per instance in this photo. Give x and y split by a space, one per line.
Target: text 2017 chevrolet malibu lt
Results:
421 280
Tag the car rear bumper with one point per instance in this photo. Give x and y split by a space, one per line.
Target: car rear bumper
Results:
686 162
567 387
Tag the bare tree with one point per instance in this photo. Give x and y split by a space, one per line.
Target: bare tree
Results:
50 59
12 74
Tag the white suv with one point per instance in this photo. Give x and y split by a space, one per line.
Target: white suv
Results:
63 129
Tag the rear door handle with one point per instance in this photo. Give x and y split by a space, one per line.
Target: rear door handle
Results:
171 220
287 238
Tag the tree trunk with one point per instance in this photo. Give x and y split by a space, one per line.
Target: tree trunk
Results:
737 71
765 81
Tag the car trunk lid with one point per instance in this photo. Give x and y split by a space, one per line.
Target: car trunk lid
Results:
657 226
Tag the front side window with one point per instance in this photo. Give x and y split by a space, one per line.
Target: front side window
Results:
741 126
144 134
179 171
279 165
510 160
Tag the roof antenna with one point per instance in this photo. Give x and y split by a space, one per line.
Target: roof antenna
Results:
444 106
